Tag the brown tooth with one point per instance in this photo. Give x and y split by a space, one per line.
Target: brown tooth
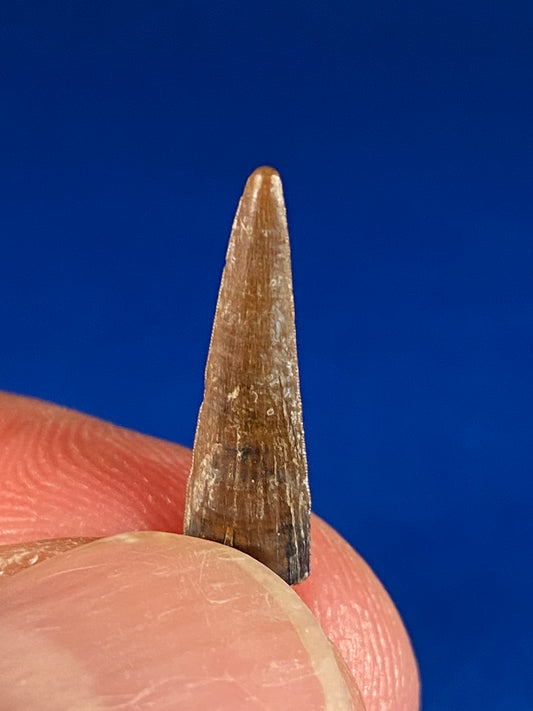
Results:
248 484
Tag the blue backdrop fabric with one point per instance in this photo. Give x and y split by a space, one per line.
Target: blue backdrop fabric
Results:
402 132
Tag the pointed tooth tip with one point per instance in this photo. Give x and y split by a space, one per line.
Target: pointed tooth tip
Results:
264 185
264 171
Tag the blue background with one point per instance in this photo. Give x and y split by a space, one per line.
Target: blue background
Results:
403 133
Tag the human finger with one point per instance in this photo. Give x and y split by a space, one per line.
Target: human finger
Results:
67 474
156 620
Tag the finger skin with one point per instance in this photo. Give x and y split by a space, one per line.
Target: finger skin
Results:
344 594
157 620
16 557
65 474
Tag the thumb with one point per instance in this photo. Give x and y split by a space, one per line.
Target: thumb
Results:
156 620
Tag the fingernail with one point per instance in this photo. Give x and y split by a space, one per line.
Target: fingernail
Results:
154 620
16 557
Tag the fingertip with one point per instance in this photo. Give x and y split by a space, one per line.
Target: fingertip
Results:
359 617
66 474
165 620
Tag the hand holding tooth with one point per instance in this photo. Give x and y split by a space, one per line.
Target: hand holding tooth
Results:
159 620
